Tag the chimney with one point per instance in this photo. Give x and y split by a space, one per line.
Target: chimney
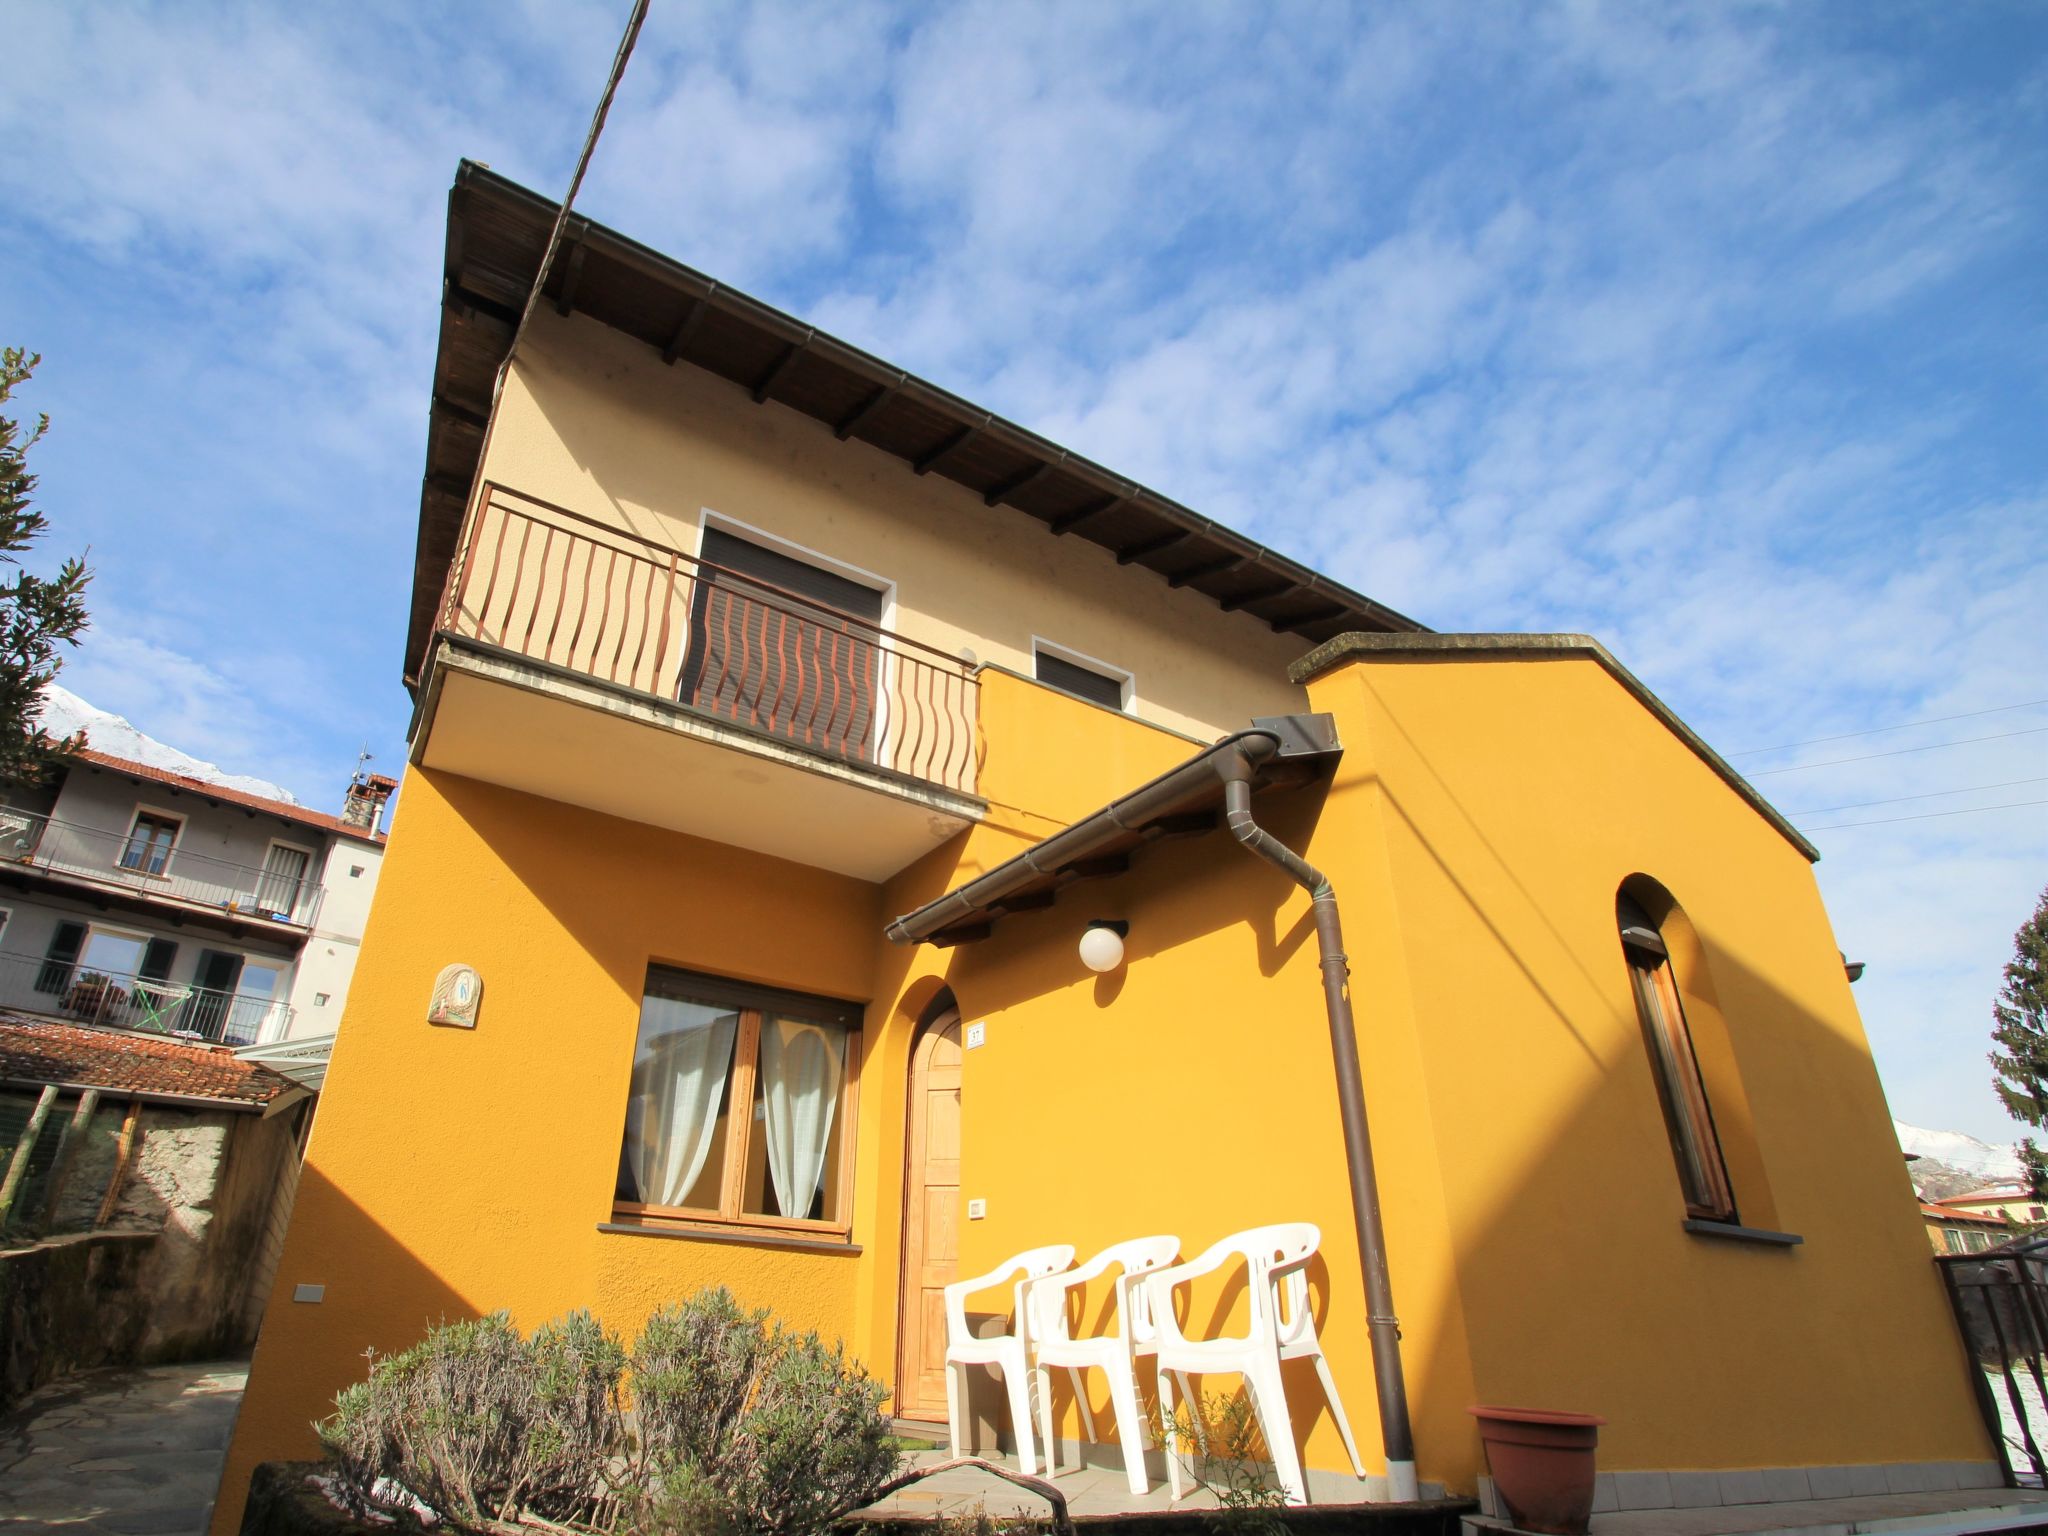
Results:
363 805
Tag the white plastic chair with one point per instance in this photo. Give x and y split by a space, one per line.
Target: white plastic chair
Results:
1053 1346
1007 1352
1276 1260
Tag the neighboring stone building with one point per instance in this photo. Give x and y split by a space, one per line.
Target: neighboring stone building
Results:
141 1220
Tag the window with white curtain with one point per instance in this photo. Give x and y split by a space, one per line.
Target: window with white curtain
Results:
740 1106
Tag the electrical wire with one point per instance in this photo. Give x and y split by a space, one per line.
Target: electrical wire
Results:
1879 730
1835 762
627 41
1885 821
1932 794
604 107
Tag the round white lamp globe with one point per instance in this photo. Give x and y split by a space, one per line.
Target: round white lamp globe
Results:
1102 948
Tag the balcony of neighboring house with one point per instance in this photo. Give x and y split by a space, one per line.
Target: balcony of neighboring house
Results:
143 868
111 986
740 694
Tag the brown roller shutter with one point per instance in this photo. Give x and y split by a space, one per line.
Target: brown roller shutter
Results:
781 645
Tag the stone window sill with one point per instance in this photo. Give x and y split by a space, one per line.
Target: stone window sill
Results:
1731 1233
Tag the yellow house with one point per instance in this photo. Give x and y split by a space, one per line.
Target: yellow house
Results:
1958 1229
784 723
2013 1205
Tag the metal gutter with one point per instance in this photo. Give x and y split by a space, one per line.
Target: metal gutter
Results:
1119 819
1397 1436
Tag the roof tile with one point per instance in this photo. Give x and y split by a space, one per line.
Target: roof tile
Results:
221 792
118 1061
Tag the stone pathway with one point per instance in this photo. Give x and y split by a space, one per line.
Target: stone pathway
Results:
119 1453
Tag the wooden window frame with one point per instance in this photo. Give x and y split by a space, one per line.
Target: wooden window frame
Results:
128 841
1676 1068
748 1003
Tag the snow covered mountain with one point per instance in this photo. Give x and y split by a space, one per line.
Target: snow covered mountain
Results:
1952 1163
1965 1153
66 714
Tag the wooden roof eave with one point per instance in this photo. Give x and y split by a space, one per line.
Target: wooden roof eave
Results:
1333 608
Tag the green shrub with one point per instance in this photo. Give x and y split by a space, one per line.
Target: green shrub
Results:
578 1429
749 1427
478 1423
1235 1464
743 1429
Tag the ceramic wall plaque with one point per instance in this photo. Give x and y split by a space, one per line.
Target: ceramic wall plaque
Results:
458 991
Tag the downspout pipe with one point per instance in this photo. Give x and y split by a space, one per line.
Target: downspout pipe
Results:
1396 1434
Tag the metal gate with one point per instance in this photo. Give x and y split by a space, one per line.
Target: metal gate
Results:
2001 1306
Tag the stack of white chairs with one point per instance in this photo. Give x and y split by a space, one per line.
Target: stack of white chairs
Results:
1041 1340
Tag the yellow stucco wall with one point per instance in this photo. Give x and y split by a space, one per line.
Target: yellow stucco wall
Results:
1511 799
591 419
452 1172
1483 816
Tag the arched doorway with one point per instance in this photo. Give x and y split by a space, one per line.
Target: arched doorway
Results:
931 1213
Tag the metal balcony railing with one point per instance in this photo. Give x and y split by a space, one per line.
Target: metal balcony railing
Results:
131 863
84 994
566 589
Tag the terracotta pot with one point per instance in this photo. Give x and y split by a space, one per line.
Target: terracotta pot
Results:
1542 1465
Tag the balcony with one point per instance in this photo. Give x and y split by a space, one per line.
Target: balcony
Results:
780 723
193 882
80 994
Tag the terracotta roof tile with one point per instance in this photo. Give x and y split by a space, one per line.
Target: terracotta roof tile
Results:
220 792
1996 1194
118 1061
1945 1213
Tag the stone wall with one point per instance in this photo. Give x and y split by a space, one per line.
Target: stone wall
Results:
69 1304
172 1273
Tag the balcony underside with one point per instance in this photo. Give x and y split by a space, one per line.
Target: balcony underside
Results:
109 894
505 719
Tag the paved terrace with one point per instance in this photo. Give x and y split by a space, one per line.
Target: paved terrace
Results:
137 1453
119 1453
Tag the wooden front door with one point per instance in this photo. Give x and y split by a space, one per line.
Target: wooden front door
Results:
931 1220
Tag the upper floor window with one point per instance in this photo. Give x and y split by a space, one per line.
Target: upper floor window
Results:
784 645
740 1107
1083 676
284 888
150 841
1702 1171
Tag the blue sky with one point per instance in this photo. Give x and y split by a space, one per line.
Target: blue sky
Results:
1717 332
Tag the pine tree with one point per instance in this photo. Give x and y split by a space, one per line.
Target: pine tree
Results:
37 613
2020 1064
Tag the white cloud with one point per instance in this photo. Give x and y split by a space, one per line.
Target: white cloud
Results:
1703 330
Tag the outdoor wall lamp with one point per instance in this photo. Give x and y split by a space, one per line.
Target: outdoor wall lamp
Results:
1102 943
